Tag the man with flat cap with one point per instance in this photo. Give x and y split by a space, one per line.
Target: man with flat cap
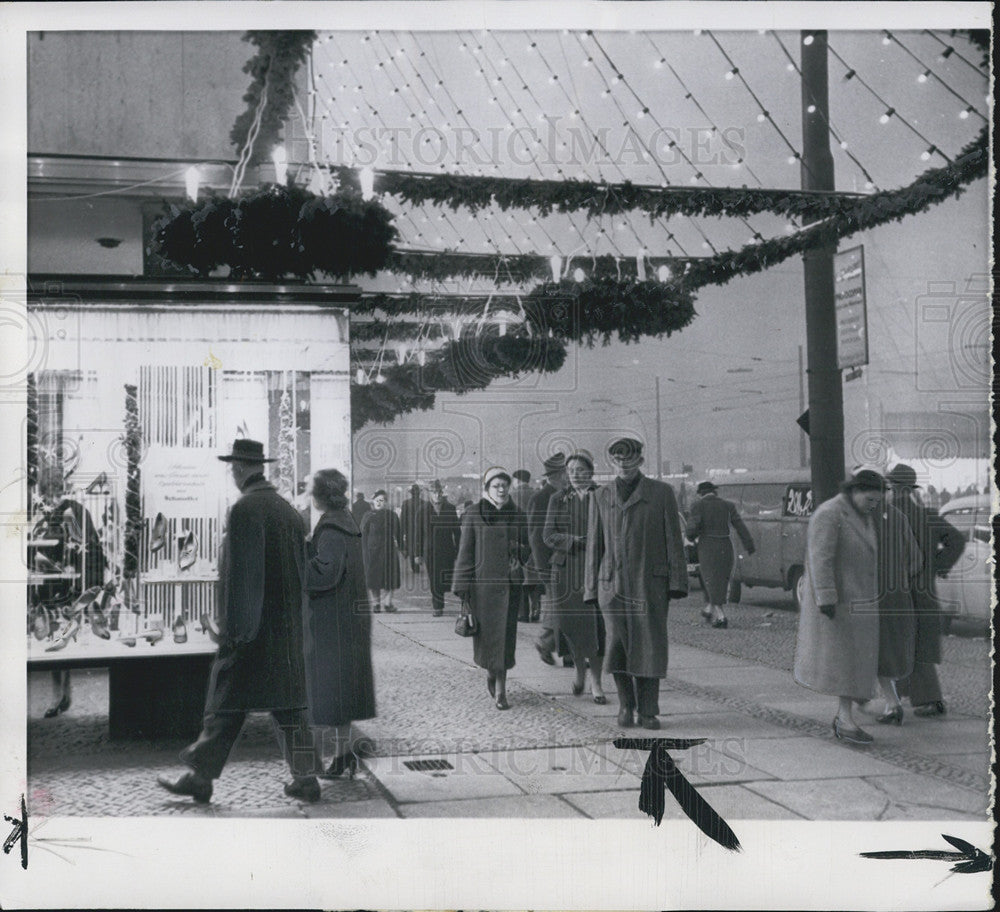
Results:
941 545
260 663
635 565
539 567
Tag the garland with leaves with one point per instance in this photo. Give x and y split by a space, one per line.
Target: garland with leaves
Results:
456 191
277 231
279 57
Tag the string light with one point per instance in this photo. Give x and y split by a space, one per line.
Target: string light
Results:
809 39
887 38
965 113
659 63
578 275
946 53
811 109
762 116
790 67
923 76
732 73
850 74
884 119
927 153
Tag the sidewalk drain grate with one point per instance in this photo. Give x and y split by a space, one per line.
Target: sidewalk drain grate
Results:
425 766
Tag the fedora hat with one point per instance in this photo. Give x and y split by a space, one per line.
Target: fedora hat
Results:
705 487
902 475
246 451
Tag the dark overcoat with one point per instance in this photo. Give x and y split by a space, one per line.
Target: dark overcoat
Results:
260 663
540 563
380 543
839 655
440 536
566 534
338 641
635 564
492 550
941 545
413 526
710 522
899 562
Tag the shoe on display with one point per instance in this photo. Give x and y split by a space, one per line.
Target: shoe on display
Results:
158 536
187 555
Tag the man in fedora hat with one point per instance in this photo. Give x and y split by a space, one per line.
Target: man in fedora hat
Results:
440 537
260 663
635 565
539 567
941 545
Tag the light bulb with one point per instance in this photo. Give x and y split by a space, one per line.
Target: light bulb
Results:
869 185
791 159
642 113
659 63
578 275
886 38
923 76
843 144
965 114
811 109
588 61
809 39
926 154
663 273
192 180
790 67
884 119
280 160
731 74
762 117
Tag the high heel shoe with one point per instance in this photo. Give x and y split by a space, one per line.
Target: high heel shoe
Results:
502 702
893 717
721 623
577 688
58 708
158 536
188 552
491 684
851 735
69 633
339 765
209 627
99 624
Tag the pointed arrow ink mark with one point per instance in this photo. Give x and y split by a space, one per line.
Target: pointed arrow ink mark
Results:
19 832
970 859
661 773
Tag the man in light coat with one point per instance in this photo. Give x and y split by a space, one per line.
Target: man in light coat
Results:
635 565
260 666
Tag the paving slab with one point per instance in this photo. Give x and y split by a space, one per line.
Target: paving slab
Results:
810 758
523 806
558 770
373 807
471 777
827 798
681 656
928 794
702 764
750 682
720 726
978 762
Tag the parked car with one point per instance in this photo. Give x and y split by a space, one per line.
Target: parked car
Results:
776 506
965 591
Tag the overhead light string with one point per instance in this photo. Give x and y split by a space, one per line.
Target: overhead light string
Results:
841 143
950 51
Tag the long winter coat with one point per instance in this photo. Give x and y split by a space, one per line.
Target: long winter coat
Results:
338 642
898 562
710 522
380 543
440 536
635 564
566 533
839 656
260 664
413 526
539 565
491 553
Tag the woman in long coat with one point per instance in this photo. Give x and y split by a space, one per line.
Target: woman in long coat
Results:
492 550
380 541
338 637
837 648
566 534
710 523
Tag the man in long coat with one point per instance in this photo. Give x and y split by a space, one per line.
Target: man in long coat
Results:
635 565
440 536
941 545
521 493
413 523
260 665
539 566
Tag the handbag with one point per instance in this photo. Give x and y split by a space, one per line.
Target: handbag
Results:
465 625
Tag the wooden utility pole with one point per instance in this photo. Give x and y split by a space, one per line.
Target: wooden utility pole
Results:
826 395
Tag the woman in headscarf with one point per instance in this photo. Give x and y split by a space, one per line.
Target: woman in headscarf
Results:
566 534
380 540
338 638
837 652
489 571
710 523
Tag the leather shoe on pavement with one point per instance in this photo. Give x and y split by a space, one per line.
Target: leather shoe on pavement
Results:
544 655
190 784
304 789
625 718
936 708
648 722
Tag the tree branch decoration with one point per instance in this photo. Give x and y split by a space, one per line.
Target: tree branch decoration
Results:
278 58
277 231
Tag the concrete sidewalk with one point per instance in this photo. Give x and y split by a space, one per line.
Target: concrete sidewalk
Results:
443 750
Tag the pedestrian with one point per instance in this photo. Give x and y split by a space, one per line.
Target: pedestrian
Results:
440 535
709 526
836 650
941 545
413 523
260 664
635 565
380 542
521 493
492 551
69 551
566 534
338 635
539 567
360 507
899 561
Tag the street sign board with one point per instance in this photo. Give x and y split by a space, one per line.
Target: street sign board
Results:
852 314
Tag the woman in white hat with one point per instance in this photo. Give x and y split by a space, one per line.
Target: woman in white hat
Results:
489 570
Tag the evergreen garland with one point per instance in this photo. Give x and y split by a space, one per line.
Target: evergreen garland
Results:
133 489
278 58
